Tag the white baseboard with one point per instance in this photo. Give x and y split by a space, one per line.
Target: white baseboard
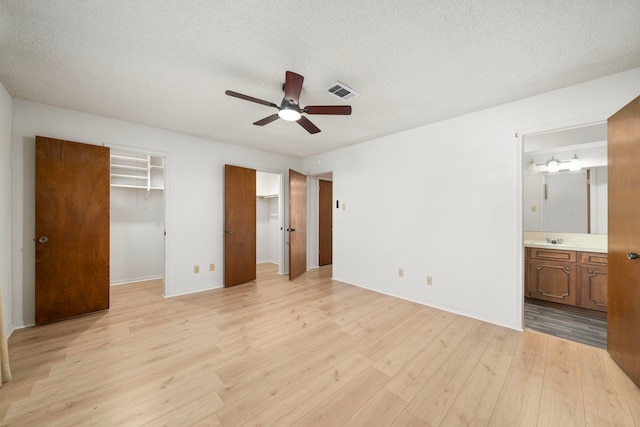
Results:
136 279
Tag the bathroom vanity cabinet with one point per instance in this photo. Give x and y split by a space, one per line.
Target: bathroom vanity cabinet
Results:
593 281
573 278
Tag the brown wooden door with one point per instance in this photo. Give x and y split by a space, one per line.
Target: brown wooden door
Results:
72 229
297 224
240 225
325 222
623 330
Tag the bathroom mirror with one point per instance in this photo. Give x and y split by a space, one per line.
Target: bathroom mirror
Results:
566 201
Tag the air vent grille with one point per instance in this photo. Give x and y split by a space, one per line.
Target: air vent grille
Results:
342 91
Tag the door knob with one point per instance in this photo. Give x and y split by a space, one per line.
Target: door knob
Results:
631 255
43 239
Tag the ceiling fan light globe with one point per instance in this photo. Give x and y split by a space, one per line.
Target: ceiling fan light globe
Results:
289 115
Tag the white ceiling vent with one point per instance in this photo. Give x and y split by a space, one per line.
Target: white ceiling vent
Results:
342 91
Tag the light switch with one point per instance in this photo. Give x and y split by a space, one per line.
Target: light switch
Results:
344 206
534 208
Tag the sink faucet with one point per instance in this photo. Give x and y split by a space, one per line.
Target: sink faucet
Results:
553 241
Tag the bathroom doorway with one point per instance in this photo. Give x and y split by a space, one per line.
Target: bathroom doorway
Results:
564 232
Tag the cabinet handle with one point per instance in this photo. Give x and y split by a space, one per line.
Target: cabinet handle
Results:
632 255
43 239
228 231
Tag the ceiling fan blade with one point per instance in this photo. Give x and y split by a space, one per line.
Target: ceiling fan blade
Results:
343 110
306 123
250 98
267 120
293 86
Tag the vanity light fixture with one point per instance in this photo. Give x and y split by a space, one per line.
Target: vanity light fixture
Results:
575 164
554 165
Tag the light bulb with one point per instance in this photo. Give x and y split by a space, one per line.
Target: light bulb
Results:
575 164
553 165
289 115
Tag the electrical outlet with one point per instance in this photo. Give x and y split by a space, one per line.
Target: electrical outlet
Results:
429 281
196 269
401 272
212 267
534 208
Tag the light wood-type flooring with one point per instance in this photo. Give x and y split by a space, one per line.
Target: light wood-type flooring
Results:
308 352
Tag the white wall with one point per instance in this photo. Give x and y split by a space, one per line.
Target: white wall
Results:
137 235
268 233
446 200
194 192
262 230
533 205
5 207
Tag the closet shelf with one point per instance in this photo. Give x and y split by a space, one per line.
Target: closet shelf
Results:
137 170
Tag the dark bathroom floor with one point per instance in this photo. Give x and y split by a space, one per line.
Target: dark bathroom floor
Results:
573 326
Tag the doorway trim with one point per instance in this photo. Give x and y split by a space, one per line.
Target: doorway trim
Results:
282 256
520 171
165 202
313 205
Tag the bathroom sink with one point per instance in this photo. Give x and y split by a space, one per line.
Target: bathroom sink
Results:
550 245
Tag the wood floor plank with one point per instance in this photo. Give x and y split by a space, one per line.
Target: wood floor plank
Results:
291 401
434 400
601 394
302 367
407 382
402 353
475 403
345 402
519 400
399 333
407 419
312 351
562 398
382 410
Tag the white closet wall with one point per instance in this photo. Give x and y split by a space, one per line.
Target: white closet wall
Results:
137 219
267 217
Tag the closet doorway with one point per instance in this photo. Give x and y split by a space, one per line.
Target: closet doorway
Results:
137 243
269 220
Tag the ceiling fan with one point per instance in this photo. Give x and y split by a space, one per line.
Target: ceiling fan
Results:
289 109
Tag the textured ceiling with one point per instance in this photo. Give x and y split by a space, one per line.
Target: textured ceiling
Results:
167 63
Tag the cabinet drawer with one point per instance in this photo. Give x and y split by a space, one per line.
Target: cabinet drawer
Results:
593 258
553 254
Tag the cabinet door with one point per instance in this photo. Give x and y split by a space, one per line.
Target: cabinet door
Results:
553 281
593 281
